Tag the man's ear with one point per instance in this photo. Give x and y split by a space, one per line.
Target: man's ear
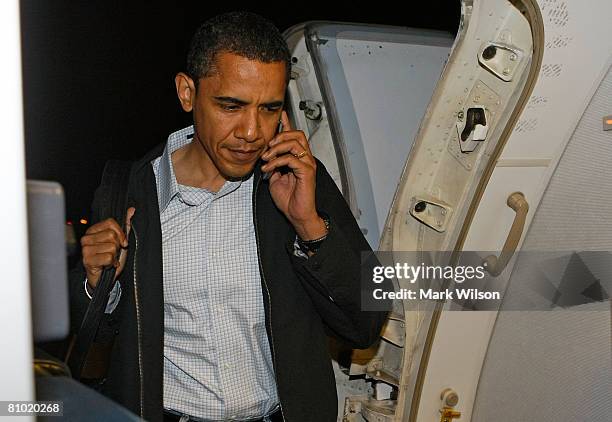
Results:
185 90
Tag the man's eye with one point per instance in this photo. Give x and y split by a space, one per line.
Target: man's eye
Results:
229 107
272 109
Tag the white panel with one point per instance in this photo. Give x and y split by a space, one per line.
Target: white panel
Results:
458 352
578 47
548 366
16 355
568 375
386 80
462 336
575 209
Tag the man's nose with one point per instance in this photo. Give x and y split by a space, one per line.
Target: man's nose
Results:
249 128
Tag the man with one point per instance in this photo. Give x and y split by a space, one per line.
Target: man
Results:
241 252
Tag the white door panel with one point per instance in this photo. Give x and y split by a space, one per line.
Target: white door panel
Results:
577 50
457 354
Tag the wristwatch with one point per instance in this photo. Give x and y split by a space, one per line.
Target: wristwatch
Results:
313 245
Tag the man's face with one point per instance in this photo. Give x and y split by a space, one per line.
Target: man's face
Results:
236 111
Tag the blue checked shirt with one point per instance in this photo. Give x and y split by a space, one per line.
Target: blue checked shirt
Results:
217 360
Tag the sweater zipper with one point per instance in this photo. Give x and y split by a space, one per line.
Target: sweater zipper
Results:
139 337
263 278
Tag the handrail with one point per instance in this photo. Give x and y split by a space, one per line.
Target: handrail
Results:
495 265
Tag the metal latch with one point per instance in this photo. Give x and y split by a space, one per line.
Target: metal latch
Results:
472 127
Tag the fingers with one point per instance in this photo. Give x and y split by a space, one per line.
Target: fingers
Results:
300 167
91 252
289 133
292 147
101 246
106 236
293 135
105 231
97 259
289 148
299 142
285 121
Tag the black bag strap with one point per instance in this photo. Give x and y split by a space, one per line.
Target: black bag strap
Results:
110 203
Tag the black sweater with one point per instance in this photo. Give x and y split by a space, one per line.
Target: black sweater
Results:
296 292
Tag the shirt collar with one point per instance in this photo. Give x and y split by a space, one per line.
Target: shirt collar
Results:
168 185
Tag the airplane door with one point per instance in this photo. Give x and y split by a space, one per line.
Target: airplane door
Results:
463 125
360 92
486 83
545 354
477 147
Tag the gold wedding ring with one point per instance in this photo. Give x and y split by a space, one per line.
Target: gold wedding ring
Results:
300 155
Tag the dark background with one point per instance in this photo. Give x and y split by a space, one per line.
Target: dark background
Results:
99 76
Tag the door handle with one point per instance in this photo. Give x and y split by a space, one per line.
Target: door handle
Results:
495 265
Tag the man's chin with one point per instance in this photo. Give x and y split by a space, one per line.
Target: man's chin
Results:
236 173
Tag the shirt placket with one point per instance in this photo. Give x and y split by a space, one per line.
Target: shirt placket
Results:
214 280
225 331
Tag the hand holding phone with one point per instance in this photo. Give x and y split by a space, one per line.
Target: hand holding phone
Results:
267 175
292 180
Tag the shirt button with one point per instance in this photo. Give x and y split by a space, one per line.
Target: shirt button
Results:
226 366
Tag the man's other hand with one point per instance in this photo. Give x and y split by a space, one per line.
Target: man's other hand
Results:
105 244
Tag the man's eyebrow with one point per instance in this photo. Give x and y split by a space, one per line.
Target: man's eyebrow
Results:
231 100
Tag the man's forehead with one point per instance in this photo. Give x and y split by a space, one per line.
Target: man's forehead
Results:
237 76
233 66
227 88
230 58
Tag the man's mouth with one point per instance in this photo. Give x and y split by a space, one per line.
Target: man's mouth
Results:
243 155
